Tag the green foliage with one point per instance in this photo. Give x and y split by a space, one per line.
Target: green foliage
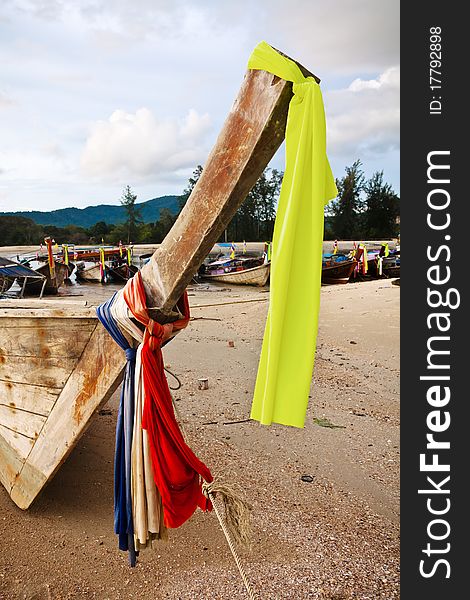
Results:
99 231
254 220
382 208
20 231
348 205
191 183
363 209
133 215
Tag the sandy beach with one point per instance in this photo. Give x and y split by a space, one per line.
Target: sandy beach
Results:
334 536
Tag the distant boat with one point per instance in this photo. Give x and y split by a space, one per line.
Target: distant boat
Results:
5 282
53 282
390 265
122 272
71 268
239 271
94 254
90 272
11 271
93 272
337 268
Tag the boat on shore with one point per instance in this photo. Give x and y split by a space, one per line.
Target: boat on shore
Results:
55 272
390 265
238 271
114 271
90 272
122 272
54 279
337 268
11 272
92 254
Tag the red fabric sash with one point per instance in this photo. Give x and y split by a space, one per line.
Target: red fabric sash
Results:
176 469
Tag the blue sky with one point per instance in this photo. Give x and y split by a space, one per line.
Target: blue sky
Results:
98 94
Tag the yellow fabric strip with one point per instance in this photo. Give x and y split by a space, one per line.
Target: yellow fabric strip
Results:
287 355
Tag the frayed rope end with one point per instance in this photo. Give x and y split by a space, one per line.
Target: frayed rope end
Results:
237 510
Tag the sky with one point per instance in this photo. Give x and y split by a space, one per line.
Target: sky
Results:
99 94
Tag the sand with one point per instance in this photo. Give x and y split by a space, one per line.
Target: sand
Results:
334 536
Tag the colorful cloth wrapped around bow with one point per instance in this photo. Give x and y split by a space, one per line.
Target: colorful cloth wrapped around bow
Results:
158 478
287 355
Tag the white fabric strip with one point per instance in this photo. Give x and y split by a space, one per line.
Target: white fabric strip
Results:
146 500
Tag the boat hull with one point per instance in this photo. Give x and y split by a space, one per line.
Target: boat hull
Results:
91 274
122 273
52 286
338 272
254 276
57 367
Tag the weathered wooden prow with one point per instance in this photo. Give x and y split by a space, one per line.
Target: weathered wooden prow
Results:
253 131
75 365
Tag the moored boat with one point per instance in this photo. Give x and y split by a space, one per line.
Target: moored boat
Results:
5 284
239 270
337 268
122 272
252 276
11 271
54 280
91 272
391 265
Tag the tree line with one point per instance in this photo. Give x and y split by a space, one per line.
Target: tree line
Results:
363 209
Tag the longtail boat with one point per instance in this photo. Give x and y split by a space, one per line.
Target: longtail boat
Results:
89 254
251 276
122 272
53 281
238 271
92 272
54 271
337 269
11 271
7 279
58 365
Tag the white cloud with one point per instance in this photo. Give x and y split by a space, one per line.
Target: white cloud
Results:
141 145
364 119
389 79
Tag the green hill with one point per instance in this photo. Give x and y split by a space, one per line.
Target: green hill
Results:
111 214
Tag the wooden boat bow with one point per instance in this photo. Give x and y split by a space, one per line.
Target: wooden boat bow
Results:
253 131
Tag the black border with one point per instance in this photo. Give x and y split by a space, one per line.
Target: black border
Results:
421 133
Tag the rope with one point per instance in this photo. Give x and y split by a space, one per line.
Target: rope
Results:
228 303
175 377
236 515
206 491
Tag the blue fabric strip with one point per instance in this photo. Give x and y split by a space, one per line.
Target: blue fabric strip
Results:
123 523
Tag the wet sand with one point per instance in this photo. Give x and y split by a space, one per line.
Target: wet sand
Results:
334 537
